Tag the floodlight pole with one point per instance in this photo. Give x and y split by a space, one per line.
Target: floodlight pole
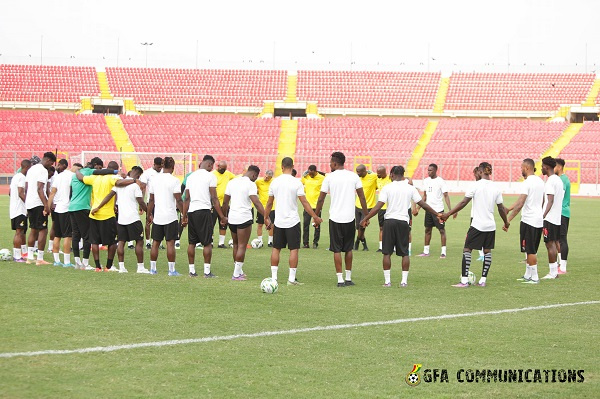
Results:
146 44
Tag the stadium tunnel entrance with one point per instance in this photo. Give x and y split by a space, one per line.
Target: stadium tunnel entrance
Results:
107 109
292 113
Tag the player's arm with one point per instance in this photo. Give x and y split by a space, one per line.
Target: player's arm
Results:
142 204
517 206
447 199
42 195
502 212
104 172
186 203
456 209
51 197
178 201
320 202
268 208
104 201
22 193
225 206
316 219
215 202
373 212
125 182
363 202
417 206
150 209
259 207
549 204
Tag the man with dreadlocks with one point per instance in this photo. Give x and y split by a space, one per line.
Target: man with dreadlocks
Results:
482 232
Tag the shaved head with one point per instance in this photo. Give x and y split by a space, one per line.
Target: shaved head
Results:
361 170
381 172
113 165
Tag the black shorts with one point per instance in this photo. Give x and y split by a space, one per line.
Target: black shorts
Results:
215 217
480 239
530 238
130 232
19 222
62 224
395 234
103 231
432 221
167 232
289 237
37 220
358 216
381 217
234 227
200 227
260 219
341 236
551 231
80 223
564 226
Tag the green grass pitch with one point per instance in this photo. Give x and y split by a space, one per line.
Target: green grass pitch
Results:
46 308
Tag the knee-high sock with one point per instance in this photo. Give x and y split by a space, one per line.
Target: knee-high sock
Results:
466 263
487 263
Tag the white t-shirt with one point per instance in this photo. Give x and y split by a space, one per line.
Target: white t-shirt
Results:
533 211
146 178
435 189
37 173
341 185
240 206
198 184
554 186
62 183
485 196
286 189
127 202
17 206
397 195
163 186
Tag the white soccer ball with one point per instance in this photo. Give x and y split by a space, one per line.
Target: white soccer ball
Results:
231 242
472 278
5 254
269 286
256 243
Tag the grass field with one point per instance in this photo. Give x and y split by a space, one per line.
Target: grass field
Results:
45 308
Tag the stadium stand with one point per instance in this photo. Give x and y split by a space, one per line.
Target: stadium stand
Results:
585 147
344 89
387 141
33 132
64 84
456 141
208 87
237 139
516 91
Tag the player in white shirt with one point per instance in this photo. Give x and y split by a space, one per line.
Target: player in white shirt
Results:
477 177
165 199
482 233
287 190
18 212
530 203
200 198
555 193
146 182
435 193
59 200
51 174
343 186
130 204
396 226
240 194
38 209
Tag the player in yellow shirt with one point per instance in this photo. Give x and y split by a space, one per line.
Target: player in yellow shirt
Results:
382 180
262 186
312 181
369 182
223 177
103 223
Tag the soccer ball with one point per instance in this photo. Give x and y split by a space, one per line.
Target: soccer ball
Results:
256 243
5 254
413 378
231 242
472 278
269 286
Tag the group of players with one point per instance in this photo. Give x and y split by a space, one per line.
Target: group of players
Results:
81 202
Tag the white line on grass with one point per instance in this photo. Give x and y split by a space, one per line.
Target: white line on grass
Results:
283 332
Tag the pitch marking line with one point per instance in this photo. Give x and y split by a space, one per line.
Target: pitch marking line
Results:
283 332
